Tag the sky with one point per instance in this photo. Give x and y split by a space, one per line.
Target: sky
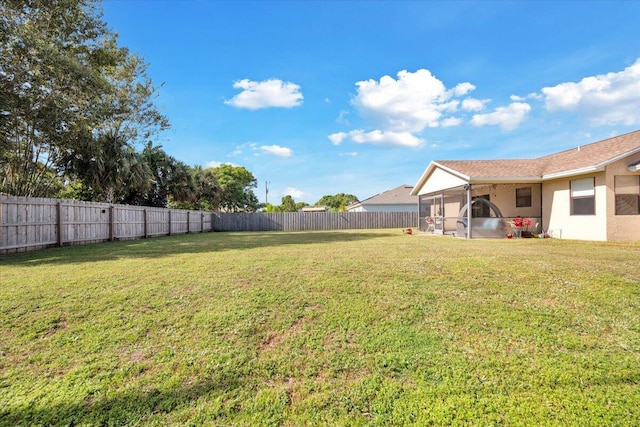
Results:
324 97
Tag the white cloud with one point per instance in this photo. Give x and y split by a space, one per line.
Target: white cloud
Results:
295 193
402 107
472 104
409 104
612 98
242 149
215 164
536 96
276 150
463 89
378 137
451 121
337 138
350 154
265 94
508 118
342 117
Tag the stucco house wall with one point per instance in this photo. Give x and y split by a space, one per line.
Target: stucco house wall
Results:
620 227
556 211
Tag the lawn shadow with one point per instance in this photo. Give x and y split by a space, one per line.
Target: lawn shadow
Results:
125 408
184 244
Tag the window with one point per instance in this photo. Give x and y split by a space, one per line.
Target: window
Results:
627 189
523 197
480 209
583 197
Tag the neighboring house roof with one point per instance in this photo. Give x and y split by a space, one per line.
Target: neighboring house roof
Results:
314 209
579 160
398 196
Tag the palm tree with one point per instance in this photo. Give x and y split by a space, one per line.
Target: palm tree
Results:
110 168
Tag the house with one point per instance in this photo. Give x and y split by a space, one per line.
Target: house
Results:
314 209
591 192
398 199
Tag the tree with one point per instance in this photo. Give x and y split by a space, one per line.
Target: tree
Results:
48 79
236 186
69 93
127 108
169 179
287 204
337 202
110 169
106 156
269 208
208 189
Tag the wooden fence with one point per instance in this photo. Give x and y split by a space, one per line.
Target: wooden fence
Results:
28 223
308 221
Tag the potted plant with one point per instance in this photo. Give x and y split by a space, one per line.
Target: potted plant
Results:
519 224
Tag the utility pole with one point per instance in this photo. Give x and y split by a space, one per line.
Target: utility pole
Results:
266 192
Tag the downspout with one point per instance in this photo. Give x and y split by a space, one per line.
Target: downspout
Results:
469 210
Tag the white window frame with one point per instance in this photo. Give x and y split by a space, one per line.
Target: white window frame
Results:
581 192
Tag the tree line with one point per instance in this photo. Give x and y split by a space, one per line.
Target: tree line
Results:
78 119
337 203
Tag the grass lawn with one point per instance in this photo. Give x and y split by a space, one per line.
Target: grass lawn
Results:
328 328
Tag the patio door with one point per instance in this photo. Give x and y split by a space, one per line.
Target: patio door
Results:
438 215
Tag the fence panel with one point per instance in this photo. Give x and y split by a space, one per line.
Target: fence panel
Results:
28 223
310 221
157 222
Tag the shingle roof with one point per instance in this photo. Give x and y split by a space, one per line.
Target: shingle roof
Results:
595 154
592 155
494 168
398 196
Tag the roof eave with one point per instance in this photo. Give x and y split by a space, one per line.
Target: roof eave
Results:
574 172
429 170
593 168
505 180
620 157
422 179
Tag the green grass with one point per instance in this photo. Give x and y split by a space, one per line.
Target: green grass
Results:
326 328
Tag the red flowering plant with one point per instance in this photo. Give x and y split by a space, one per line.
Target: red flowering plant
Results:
517 225
521 223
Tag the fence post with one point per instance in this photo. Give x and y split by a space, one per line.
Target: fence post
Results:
112 235
60 228
146 227
169 222
202 222
188 222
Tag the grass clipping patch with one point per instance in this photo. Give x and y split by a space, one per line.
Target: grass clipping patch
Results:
335 328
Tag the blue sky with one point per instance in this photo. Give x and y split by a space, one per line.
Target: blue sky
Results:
358 97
